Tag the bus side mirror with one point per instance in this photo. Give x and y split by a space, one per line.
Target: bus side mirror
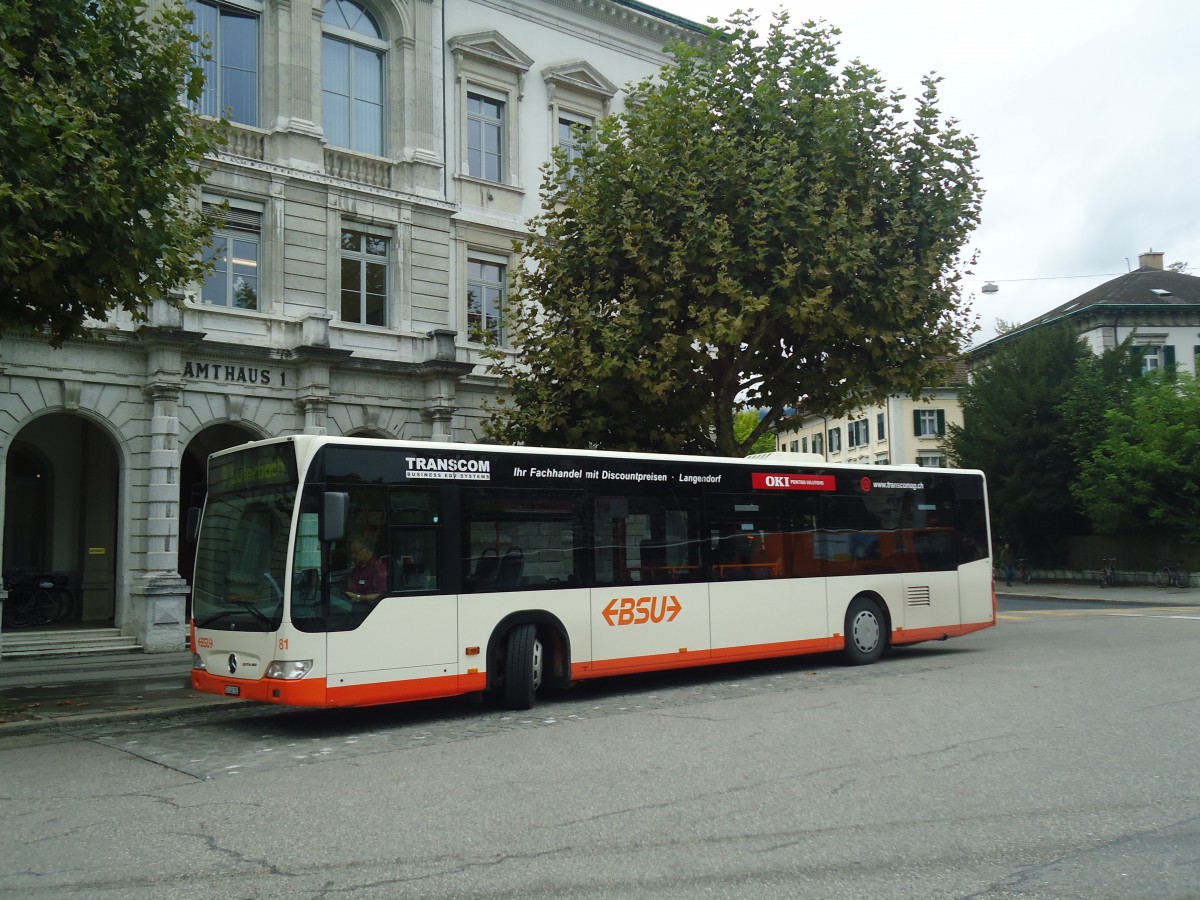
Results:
193 524
333 517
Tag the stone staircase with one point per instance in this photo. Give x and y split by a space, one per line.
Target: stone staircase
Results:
43 642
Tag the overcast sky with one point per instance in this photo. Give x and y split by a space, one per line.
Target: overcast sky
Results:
1086 119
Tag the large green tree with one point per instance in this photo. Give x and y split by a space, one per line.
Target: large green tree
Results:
1100 383
761 225
1013 429
98 160
1143 476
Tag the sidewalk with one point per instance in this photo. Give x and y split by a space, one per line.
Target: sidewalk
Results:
40 693
1091 592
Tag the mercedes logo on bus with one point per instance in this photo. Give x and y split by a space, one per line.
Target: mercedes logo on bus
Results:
232 663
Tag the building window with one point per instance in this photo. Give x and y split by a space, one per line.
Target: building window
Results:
929 422
882 459
835 440
804 445
794 446
1155 358
931 460
485 137
858 434
880 431
364 277
233 254
231 74
352 76
485 299
572 132
818 444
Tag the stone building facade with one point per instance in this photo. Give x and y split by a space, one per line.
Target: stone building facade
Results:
384 155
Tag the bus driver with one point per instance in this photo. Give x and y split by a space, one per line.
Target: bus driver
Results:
369 577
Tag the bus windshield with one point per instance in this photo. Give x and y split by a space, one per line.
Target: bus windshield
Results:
241 557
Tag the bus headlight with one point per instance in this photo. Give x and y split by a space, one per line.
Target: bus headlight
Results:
289 670
198 662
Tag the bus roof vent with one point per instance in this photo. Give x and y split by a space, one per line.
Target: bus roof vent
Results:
787 458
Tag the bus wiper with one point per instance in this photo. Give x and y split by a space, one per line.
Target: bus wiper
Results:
246 606
216 617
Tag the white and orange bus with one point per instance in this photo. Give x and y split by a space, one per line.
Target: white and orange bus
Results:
502 569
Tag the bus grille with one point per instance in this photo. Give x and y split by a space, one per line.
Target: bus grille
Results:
919 596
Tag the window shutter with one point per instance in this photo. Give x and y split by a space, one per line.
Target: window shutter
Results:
239 219
917 422
941 422
1168 356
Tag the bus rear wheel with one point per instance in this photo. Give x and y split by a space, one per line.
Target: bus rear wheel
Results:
523 667
866 632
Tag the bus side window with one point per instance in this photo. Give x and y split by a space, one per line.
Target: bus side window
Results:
414 517
646 539
367 523
803 554
746 534
520 539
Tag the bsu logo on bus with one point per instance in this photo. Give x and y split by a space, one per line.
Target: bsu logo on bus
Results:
628 611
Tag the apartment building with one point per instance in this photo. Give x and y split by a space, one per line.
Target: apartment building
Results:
900 430
1157 308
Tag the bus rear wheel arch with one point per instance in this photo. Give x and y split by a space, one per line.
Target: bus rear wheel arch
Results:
866 631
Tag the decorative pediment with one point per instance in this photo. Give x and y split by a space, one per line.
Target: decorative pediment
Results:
492 47
580 76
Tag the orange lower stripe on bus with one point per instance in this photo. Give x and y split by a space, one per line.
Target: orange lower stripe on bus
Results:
683 659
914 635
316 692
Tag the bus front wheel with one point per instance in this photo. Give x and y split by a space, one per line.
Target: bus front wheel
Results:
523 667
866 632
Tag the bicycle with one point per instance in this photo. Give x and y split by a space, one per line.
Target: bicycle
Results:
1172 574
35 599
1108 572
1023 571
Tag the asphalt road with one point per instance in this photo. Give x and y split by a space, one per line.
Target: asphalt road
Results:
1051 757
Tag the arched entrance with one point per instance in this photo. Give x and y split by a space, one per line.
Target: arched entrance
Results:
193 481
62 483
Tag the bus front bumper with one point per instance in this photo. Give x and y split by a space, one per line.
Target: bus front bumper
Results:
300 692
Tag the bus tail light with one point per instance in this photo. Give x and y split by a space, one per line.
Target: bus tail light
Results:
289 670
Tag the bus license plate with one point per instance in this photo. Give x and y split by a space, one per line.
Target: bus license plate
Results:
233 690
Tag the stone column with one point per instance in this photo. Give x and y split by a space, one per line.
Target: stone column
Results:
316 411
441 371
158 594
298 140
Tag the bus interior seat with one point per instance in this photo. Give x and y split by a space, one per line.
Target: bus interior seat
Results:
487 569
653 554
511 565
